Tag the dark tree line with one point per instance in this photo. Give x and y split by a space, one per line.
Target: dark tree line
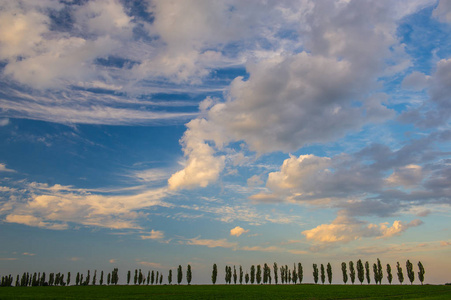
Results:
257 274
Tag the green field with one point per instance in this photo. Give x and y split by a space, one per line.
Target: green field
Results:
305 291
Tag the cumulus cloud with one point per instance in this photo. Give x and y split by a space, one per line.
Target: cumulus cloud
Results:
202 166
293 99
237 231
345 229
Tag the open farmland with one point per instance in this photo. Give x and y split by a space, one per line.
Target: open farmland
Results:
305 291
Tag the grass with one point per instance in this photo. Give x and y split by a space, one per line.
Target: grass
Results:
305 291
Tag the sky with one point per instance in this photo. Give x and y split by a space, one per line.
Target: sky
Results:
151 134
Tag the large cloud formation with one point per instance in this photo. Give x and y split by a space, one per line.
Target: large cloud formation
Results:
292 99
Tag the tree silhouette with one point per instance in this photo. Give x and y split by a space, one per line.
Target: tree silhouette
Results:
389 275
367 272
259 274
410 272
214 274
241 274
300 273
421 272
315 273
276 276
329 273
400 274
345 272
189 275
179 274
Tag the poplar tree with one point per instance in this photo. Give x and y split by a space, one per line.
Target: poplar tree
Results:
189 275
315 273
148 278
156 278
376 276
170 276
282 274
367 272
258 276
389 275
235 276
88 277
300 273
246 278
294 275
179 274
400 274
380 274
345 272
101 278
77 279
329 273
323 275
214 274
161 278
140 277
276 276
241 274
152 277
252 274
410 272
360 271
128 276
43 278
421 272
108 279
287 275
135 279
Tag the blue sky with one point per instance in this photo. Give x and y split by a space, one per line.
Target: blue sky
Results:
148 134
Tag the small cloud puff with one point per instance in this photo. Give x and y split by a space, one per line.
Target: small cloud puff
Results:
154 235
237 231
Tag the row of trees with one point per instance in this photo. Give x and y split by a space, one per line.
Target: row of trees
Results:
112 278
297 273
257 274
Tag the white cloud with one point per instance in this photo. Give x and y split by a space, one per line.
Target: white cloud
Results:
407 176
54 207
443 11
416 81
154 235
345 229
202 166
103 17
4 121
210 243
237 231
3 168
151 264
